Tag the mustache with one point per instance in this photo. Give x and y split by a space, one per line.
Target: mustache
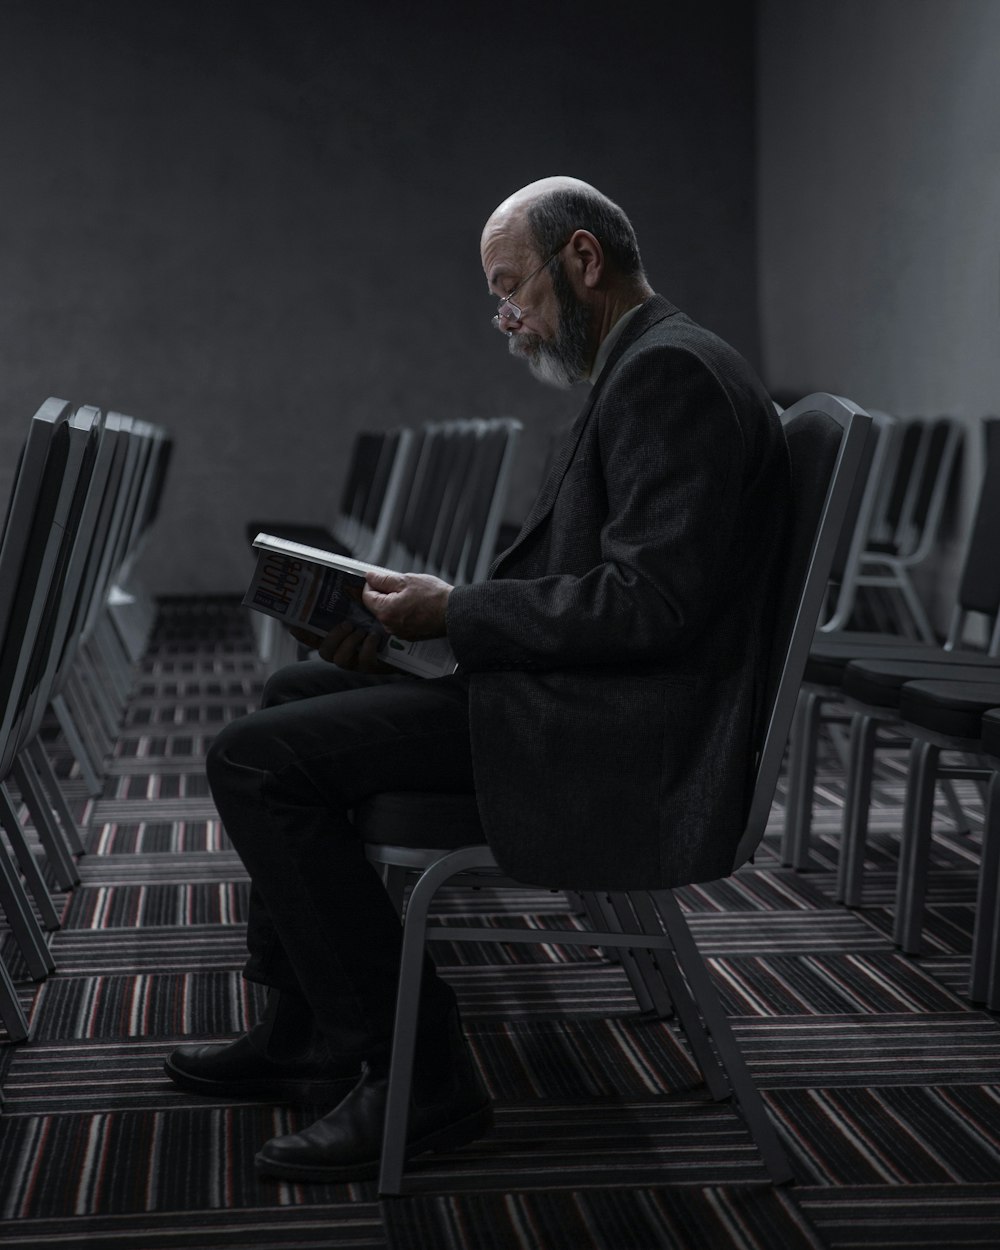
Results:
524 344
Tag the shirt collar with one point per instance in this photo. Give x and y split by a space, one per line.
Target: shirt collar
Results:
610 339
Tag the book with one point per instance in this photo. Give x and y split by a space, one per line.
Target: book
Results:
315 590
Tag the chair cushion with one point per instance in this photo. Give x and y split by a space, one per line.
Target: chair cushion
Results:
414 819
829 654
878 682
954 708
991 732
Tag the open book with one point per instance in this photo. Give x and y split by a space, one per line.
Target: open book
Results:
315 590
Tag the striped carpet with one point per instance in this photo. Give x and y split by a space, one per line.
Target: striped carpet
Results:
885 1084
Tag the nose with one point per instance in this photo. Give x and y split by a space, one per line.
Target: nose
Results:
507 315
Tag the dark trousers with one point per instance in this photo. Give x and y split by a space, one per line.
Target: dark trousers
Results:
284 780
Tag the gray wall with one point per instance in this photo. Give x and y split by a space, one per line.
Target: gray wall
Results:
879 202
258 224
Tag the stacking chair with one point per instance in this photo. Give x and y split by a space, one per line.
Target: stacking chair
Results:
373 496
45 511
111 614
440 838
130 606
866 519
978 597
916 510
471 537
989 936
944 716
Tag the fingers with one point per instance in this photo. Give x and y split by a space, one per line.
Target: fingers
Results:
341 644
305 636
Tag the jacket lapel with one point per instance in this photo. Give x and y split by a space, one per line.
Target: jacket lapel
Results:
654 310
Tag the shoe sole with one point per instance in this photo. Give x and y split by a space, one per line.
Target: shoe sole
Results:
288 1090
449 1137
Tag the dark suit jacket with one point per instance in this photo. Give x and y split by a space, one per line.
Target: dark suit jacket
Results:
616 653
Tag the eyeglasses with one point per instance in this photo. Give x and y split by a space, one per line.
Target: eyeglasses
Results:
507 310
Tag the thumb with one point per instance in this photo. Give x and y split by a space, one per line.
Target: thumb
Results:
385 583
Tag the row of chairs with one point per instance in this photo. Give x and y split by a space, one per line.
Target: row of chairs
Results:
862 685
426 500
72 622
897 527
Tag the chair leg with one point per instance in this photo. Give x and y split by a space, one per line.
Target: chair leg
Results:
26 929
50 835
684 1004
404 1036
801 780
50 784
750 1102
914 851
27 863
11 1011
955 808
639 965
857 804
984 937
83 752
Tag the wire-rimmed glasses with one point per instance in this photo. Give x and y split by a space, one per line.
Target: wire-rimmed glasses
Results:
507 310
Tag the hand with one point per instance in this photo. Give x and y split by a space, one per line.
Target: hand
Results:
347 647
410 605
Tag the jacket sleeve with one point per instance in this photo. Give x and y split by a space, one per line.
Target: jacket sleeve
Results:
671 468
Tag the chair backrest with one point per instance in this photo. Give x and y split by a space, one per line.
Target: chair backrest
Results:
979 583
72 582
497 464
865 514
361 470
921 521
35 474
124 465
50 496
830 449
393 497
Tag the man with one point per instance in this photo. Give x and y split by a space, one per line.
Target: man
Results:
605 712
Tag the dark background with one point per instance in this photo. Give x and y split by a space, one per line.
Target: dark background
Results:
258 224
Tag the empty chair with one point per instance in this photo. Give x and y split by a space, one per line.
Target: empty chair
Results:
912 523
977 597
45 509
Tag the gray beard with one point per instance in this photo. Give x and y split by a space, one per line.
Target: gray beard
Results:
566 359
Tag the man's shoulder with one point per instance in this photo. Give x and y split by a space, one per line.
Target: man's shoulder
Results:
661 324
660 330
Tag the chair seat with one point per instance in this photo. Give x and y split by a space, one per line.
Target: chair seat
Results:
413 819
954 708
991 732
830 655
879 682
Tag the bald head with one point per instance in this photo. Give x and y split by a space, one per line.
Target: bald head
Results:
543 215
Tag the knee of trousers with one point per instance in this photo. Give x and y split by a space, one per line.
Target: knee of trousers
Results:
303 680
243 743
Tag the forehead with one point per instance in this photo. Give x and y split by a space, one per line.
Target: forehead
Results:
506 250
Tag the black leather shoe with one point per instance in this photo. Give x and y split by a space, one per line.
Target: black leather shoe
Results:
239 1070
345 1144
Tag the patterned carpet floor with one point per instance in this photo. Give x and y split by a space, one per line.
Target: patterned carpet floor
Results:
884 1082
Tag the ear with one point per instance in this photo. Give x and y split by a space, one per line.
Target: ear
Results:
586 258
